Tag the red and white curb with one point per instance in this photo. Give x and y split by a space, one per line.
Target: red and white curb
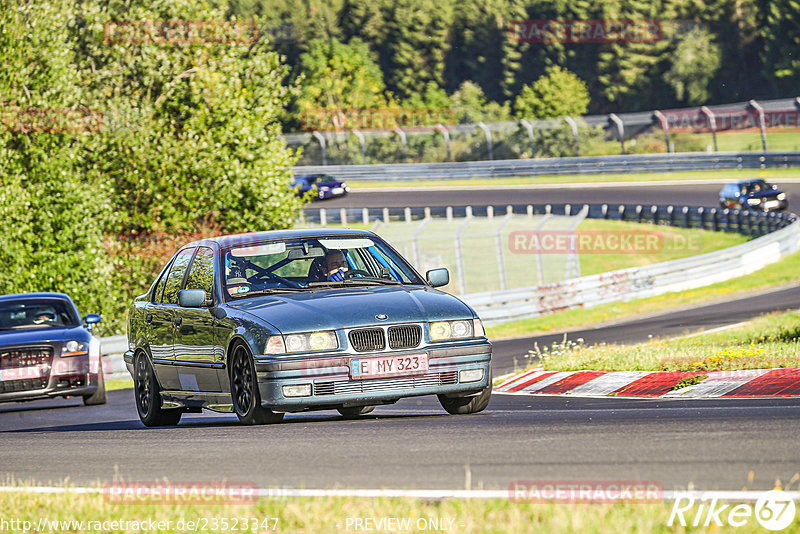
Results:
784 382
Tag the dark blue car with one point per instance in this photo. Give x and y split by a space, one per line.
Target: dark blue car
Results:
47 351
754 195
323 186
287 321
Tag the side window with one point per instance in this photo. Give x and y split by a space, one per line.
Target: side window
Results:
175 278
158 292
201 275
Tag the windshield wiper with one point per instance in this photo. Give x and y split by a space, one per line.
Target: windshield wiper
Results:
268 291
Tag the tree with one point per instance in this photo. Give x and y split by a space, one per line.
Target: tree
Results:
53 213
781 55
558 93
695 61
338 76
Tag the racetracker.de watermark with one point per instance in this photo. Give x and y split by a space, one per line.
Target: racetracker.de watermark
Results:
180 492
586 31
599 242
373 119
180 32
586 491
50 120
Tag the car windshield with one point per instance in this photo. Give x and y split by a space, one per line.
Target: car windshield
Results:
36 313
309 263
758 187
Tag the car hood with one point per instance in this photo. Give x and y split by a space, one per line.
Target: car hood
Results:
43 335
327 309
765 194
330 184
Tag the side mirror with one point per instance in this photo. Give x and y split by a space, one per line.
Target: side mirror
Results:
91 319
191 298
438 277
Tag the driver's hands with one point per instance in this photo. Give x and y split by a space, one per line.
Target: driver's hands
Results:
336 275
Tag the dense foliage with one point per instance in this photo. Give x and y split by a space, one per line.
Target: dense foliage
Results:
186 142
708 52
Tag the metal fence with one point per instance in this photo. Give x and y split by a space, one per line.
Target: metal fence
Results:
559 166
740 126
638 282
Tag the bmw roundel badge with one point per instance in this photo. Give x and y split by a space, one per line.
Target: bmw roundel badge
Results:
381 317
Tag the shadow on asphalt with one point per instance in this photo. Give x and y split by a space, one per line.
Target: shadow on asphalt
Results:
230 422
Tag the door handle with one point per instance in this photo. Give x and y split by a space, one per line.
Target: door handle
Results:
177 321
148 318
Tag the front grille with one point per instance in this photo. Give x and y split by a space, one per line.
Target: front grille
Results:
367 339
10 386
347 387
404 337
16 358
14 362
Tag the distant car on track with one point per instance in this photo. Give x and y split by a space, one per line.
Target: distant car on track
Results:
323 186
46 351
266 323
754 195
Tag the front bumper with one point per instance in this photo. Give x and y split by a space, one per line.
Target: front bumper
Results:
331 385
64 377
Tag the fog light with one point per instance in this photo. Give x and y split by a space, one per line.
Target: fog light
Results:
470 375
297 390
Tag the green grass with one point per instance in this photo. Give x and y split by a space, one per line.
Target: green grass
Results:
672 243
328 514
770 341
782 272
719 176
119 383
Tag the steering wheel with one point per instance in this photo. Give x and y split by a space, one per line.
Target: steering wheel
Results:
355 272
272 276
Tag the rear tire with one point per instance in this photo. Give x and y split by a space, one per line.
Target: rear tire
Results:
99 396
354 412
467 405
245 393
148 398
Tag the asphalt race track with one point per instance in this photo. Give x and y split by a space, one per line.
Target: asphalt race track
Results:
414 444
686 194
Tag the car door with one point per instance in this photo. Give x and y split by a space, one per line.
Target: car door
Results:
198 354
161 321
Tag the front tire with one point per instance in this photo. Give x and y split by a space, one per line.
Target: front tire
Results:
99 396
245 393
148 399
467 405
354 412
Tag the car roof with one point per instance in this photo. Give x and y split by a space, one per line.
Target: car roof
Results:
749 181
255 237
16 296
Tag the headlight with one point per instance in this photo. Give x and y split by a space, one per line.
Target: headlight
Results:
311 341
451 330
781 196
75 348
754 201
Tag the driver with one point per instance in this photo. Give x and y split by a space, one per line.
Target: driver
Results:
44 317
335 265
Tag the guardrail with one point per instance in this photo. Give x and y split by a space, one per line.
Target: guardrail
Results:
686 161
780 235
716 219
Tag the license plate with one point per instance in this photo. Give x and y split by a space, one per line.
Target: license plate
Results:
771 203
23 373
363 368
